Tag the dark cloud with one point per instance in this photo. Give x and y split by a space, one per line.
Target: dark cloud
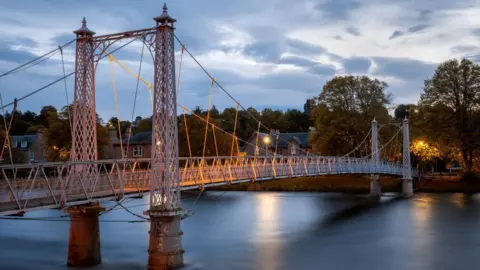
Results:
417 28
424 14
356 65
337 9
322 70
297 61
304 82
403 68
464 48
353 31
476 31
19 56
269 51
297 46
395 34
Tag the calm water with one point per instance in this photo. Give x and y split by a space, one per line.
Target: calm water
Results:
242 230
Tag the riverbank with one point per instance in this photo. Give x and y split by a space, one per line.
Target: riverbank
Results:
355 184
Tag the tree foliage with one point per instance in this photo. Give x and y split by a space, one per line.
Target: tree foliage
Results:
451 102
345 109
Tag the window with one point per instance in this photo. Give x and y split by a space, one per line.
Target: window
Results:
257 151
293 150
125 152
23 144
14 144
138 151
31 156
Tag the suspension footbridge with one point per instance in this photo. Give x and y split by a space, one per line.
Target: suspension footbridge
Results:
78 185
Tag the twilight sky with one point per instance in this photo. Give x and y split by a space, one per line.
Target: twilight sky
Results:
270 53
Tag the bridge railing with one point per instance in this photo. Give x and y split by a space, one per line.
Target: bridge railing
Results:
58 184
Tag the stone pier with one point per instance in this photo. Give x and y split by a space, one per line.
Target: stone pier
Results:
375 186
165 250
407 188
84 241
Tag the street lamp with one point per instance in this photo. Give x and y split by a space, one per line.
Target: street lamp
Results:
266 141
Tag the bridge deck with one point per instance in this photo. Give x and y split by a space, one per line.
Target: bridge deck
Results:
28 187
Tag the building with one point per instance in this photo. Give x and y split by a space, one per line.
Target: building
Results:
27 149
286 144
140 146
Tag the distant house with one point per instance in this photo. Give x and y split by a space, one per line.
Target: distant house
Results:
286 144
140 146
27 149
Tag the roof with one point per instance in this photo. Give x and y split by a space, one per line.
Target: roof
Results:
300 138
139 138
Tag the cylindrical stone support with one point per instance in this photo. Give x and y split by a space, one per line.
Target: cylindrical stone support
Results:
375 187
165 248
407 188
84 242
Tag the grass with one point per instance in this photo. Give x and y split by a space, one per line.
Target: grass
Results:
355 184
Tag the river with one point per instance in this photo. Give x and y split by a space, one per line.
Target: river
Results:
274 230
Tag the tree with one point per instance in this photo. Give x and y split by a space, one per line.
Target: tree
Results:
455 89
345 109
58 136
403 111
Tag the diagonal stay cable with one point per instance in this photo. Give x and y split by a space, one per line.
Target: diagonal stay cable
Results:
224 90
36 59
60 79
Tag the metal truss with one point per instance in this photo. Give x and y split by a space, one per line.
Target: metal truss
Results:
27 187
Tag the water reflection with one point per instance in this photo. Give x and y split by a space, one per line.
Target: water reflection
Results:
460 200
266 232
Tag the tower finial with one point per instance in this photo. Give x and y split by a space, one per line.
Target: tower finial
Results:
164 18
84 29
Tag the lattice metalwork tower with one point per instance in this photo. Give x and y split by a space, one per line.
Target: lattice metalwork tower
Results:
165 192
407 166
84 133
375 187
375 152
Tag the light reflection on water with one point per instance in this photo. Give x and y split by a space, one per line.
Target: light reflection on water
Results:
277 230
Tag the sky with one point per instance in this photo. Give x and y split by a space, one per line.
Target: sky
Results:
269 53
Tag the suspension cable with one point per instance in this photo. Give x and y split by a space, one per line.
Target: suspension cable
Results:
7 128
234 131
186 131
180 71
119 128
62 78
208 118
224 90
383 146
49 54
358 146
66 90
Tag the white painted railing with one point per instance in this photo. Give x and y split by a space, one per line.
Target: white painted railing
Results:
26 187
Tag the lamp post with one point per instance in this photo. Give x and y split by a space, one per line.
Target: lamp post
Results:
266 141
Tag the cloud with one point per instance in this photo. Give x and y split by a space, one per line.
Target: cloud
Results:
418 28
353 31
356 65
285 50
396 34
334 9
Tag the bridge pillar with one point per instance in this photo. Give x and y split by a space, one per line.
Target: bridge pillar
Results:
165 246
407 187
84 241
375 186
